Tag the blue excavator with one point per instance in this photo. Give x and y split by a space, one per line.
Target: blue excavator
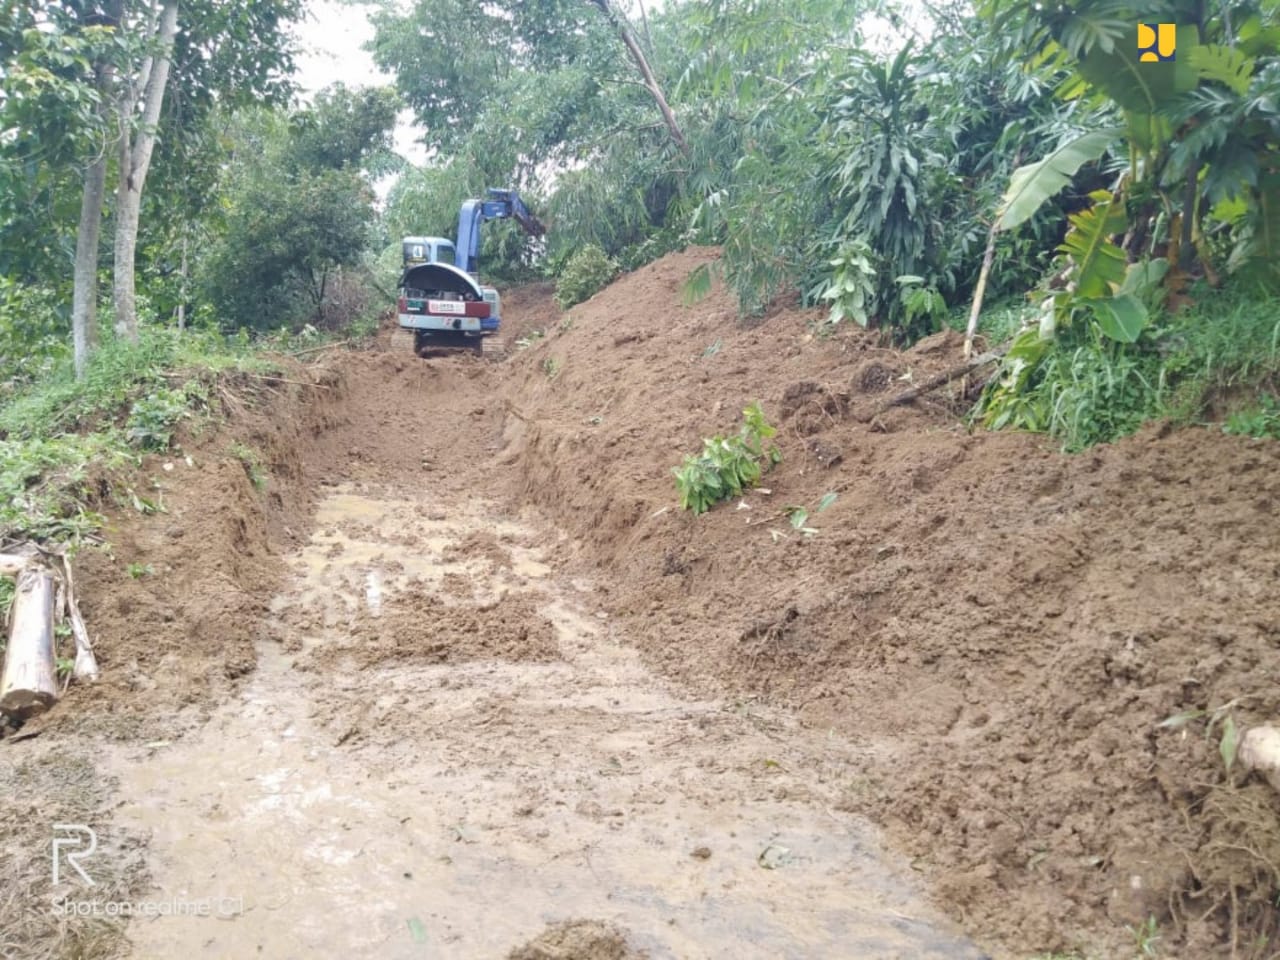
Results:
442 302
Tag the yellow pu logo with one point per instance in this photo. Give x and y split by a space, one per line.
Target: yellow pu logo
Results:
1157 42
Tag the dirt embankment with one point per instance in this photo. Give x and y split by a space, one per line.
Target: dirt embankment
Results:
177 595
1009 625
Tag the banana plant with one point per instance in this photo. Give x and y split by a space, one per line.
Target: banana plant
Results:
1200 134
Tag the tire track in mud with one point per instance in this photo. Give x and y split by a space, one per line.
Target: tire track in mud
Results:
445 749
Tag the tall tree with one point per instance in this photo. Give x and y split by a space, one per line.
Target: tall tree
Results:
136 146
84 306
619 23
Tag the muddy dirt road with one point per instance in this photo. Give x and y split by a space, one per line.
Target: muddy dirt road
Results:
446 747
460 670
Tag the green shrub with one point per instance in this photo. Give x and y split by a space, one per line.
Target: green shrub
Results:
152 418
586 272
1259 422
727 466
45 484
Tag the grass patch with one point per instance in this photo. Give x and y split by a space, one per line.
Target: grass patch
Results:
1219 358
998 322
119 374
62 438
1260 422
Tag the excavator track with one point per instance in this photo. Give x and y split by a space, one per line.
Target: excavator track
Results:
495 350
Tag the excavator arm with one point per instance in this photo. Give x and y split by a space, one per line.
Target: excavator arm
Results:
497 205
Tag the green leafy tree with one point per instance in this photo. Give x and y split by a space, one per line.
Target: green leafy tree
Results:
300 207
86 96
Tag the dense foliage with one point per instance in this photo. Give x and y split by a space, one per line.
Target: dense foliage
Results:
887 162
297 196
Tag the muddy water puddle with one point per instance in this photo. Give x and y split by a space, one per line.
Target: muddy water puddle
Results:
348 807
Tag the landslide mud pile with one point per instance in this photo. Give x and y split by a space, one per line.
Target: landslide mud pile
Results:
1000 628
1005 625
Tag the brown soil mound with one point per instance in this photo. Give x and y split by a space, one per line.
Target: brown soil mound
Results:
425 630
578 940
1008 624
480 544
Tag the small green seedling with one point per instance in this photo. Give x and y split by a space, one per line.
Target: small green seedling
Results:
1228 743
727 466
139 570
1146 937
799 515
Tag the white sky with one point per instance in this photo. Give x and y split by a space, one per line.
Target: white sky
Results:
331 41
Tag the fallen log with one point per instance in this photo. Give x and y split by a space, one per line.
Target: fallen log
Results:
86 667
29 685
928 386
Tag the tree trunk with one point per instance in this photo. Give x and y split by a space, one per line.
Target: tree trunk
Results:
29 683
650 81
84 296
182 291
135 159
1186 246
980 290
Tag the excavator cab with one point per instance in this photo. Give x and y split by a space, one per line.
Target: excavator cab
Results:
416 250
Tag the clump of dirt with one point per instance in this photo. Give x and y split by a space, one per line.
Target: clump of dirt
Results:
1014 621
423 628
478 544
873 376
1236 869
457 585
578 940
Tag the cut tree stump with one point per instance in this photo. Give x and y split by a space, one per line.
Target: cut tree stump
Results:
13 563
29 683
